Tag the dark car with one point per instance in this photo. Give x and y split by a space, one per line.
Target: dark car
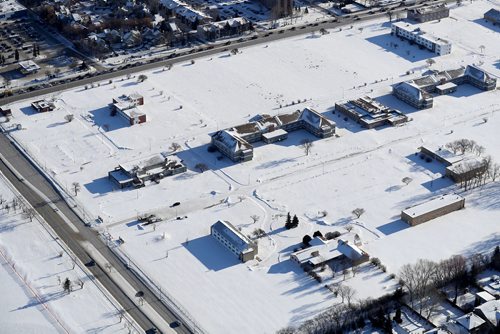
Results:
175 204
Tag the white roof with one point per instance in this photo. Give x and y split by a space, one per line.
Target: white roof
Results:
447 85
485 296
274 134
322 250
444 154
491 310
470 321
432 205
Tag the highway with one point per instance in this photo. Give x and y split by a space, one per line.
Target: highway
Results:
74 238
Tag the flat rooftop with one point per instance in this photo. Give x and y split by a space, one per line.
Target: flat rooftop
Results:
432 205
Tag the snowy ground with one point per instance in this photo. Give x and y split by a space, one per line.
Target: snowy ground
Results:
34 265
361 168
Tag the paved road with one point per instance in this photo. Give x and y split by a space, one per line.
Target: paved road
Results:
264 37
74 238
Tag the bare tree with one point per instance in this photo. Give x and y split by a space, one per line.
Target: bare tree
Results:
69 117
407 180
142 78
306 145
494 171
201 167
76 187
29 213
430 62
255 218
358 212
175 147
346 293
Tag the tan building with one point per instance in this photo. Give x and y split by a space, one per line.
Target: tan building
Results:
434 208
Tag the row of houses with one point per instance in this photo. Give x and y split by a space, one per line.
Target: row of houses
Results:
370 113
417 92
413 34
235 142
154 168
226 28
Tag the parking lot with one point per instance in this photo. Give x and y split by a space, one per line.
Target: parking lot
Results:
23 35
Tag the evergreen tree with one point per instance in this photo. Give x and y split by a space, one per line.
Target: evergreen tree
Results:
397 318
34 50
288 223
16 55
495 258
295 221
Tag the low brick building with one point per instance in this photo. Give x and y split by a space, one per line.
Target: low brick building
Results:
434 208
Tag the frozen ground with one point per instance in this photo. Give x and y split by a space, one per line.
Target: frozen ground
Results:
34 265
360 168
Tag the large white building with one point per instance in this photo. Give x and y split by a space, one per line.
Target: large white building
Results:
414 34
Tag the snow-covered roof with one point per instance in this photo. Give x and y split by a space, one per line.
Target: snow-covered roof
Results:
491 310
432 205
321 251
485 296
274 134
231 140
443 153
470 321
314 118
465 165
477 73
232 235
29 65
410 89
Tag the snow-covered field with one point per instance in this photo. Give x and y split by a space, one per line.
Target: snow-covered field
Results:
360 168
34 266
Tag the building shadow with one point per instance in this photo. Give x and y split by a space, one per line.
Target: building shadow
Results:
437 184
393 102
210 253
420 163
393 227
401 48
103 119
465 90
486 24
284 267
342 121
100 186
28 110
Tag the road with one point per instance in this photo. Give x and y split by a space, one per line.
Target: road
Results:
263 38
75 238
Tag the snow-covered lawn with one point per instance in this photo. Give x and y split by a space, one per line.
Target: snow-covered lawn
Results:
359 169
34 266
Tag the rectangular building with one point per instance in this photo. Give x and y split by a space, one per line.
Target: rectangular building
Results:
11 9
233 240
434 208
126 106
43 105
414 34
429 13
28 67
370 113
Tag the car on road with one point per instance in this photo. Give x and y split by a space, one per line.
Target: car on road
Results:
175 204
175 324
